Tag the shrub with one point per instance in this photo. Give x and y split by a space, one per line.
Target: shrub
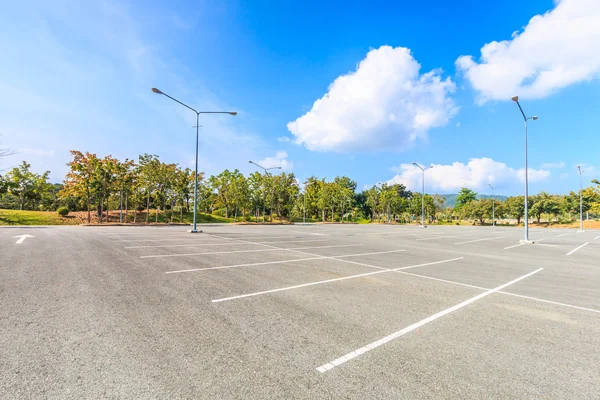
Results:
62 211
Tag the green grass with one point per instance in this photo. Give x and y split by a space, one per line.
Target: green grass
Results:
17 217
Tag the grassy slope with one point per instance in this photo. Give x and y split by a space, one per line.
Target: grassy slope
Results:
17 217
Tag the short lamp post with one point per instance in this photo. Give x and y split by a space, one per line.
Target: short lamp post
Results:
265 194
493 204
423 169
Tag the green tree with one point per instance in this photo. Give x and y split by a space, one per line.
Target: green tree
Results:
465 196
28 187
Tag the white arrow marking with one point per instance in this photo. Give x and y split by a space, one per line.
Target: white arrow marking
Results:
22 238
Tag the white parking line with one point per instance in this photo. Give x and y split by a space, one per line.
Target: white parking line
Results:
244 251
440 237
564 234
282 262
345 358
574 250
516 245
501 292
597 237
520 244
329 281
179 245
480 240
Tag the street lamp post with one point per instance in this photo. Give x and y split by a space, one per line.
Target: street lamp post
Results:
155 90
580 198
265 195
525 118
423 169
493 204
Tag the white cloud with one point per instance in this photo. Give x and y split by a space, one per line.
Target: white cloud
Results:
36 152
557 165
280 160
477 174
553 51
386 103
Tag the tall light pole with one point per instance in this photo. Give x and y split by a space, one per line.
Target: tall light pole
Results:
155 90
580 198
265 195
525 118
493 204
423 169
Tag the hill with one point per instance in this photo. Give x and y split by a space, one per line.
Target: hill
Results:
451 198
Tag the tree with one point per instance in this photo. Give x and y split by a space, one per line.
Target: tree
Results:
465 196
80 180
222 187
515 207
27 186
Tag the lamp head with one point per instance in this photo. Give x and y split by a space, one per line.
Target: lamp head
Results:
234 113
535 117
155 90
515 98
414 163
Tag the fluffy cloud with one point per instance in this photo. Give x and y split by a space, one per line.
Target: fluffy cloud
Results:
280 160
386 103
553 51
476 174
554 165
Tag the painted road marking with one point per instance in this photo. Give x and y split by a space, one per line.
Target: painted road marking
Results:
330 280
480 240
440 237
345 358
516 245
501 292
179 245
22 238
564 234
574 250
243 251
597 237
222 243
282 262
520 244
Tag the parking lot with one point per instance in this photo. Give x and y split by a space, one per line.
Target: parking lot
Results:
301 311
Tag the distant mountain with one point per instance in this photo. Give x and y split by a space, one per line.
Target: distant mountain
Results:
451 198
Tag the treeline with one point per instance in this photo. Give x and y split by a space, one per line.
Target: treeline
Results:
148 187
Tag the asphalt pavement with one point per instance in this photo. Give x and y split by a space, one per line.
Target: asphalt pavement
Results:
297 312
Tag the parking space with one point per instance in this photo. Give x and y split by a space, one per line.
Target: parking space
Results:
321 310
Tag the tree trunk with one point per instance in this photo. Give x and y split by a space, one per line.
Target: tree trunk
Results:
101 208
156 216
323 215
126 206
172 209
148 208
226 211
181 212
88 209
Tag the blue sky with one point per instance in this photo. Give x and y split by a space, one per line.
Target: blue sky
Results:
358 89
